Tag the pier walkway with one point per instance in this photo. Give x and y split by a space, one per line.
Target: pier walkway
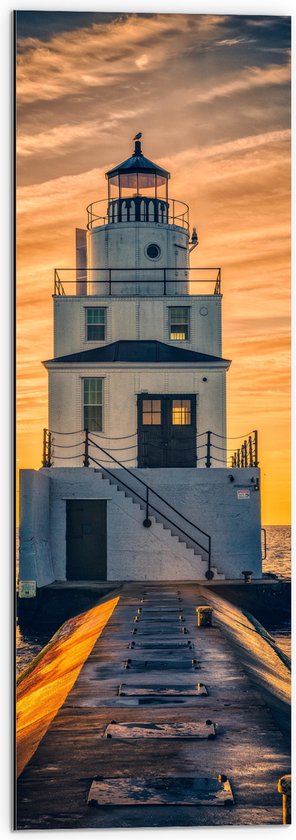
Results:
162 728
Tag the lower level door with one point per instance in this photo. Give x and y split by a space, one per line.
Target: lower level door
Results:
167 430
86 539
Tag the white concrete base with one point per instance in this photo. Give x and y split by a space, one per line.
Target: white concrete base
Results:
206 497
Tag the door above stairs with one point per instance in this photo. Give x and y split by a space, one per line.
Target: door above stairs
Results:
166 430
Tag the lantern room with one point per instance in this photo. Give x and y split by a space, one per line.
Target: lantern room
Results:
138 190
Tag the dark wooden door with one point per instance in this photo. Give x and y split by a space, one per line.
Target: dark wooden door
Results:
167 430
86 539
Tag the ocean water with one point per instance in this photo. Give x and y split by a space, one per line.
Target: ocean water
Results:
278 562
278 559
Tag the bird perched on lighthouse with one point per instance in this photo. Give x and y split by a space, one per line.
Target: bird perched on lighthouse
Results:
138 136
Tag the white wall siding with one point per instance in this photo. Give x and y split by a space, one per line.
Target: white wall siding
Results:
121 386
130 318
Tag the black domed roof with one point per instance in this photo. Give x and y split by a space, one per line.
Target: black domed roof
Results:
138 163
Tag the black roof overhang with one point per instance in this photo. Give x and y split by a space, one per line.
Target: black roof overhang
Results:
137 163
139 352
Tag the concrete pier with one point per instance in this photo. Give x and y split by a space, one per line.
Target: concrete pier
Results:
168 712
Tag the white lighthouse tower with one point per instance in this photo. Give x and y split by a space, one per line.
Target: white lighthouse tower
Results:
137 407
145 232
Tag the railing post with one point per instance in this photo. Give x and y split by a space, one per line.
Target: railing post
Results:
217 288
46 459
147 521
49 462
238 458
164 281
245 454
110 281
209 573
256 448
284 787
250 452
208 459
44 464
86 458
263 531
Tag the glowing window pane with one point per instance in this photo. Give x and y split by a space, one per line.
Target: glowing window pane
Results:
181 413
179 323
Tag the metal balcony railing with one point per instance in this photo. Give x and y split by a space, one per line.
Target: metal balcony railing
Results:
212 449
119 282
138 209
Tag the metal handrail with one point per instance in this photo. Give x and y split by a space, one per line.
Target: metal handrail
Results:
148 503
150 488
263 531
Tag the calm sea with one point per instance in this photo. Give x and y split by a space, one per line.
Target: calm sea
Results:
278 561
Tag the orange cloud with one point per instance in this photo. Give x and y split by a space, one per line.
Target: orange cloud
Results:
253 77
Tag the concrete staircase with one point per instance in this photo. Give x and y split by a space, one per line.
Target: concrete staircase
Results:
181 546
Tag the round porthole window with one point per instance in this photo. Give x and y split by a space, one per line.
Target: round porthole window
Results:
203 310
153 251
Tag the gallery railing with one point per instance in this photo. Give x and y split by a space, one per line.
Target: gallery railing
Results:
211 448
138 208
129 281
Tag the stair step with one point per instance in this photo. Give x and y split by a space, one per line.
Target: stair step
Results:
191 549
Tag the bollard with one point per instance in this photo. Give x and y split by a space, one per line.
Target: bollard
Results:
247 576
204 616
284 787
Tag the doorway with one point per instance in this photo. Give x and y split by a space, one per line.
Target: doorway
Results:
167 430
86 539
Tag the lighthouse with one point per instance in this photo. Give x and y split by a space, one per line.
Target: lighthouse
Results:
135 481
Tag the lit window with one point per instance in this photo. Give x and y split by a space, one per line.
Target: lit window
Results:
179 323
181 413
151 415
95 323
93 404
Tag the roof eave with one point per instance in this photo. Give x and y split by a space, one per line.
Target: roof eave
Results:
54 364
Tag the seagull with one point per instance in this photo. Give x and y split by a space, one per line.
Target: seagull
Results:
138 136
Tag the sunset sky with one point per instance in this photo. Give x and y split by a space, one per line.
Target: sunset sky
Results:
211 95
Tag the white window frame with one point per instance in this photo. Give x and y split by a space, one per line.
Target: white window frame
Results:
86 325
84 404
188 308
